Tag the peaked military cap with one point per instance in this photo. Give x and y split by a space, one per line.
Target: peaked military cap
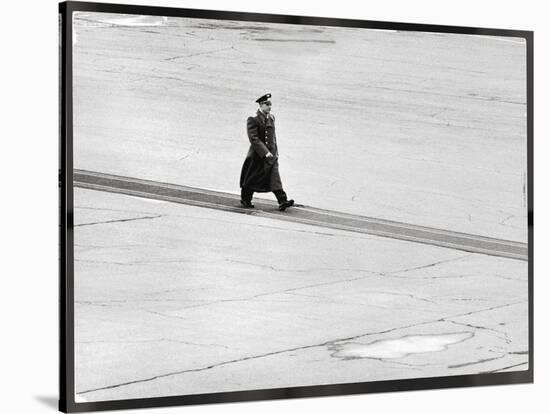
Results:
264 98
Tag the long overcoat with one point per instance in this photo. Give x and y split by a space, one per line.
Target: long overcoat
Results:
261 174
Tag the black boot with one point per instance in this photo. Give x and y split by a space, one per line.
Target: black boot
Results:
246 198
286 204
247 204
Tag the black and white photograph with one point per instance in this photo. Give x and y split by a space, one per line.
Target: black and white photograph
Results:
268 205
275 207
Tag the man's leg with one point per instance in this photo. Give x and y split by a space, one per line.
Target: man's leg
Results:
281 196
277 186
282 199
246 198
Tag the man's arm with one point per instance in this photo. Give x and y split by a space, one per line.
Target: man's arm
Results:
257 144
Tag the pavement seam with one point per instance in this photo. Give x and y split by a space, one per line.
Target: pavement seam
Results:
431 264
370 226
118 221
502 369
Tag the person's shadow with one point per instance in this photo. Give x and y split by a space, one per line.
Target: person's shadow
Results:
48 401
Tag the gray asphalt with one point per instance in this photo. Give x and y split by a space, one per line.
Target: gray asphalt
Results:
300 213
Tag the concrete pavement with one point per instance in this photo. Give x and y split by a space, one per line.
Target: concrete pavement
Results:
174 299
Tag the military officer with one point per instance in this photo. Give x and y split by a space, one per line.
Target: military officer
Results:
260 171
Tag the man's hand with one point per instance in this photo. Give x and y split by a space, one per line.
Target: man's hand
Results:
269 155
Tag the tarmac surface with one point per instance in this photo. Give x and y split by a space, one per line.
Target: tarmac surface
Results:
421 128
175 299
405 258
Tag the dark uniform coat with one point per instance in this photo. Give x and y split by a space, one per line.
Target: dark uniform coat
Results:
261 174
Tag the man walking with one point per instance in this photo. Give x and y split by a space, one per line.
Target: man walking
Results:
260 172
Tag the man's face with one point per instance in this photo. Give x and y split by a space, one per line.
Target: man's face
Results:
266 107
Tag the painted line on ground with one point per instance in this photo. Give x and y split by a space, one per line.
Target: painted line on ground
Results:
301 214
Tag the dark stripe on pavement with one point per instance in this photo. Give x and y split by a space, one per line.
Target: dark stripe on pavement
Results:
301 214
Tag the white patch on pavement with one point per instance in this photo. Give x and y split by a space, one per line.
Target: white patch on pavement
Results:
399 348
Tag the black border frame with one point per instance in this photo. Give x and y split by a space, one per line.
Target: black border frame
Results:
66 240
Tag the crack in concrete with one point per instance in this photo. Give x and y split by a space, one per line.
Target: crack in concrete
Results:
313 269
484 310
90 20
118 221
110 209
504 336
112 246
340 302
100 304
125 301
284 291
453 277
145 341
413 366
137 262
427 277
502 369
446 299
165 315
163 261
267 354
510 278
169 374
431 264
479 361
174 78
370 291
410 295
199 53
102 262
518 353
